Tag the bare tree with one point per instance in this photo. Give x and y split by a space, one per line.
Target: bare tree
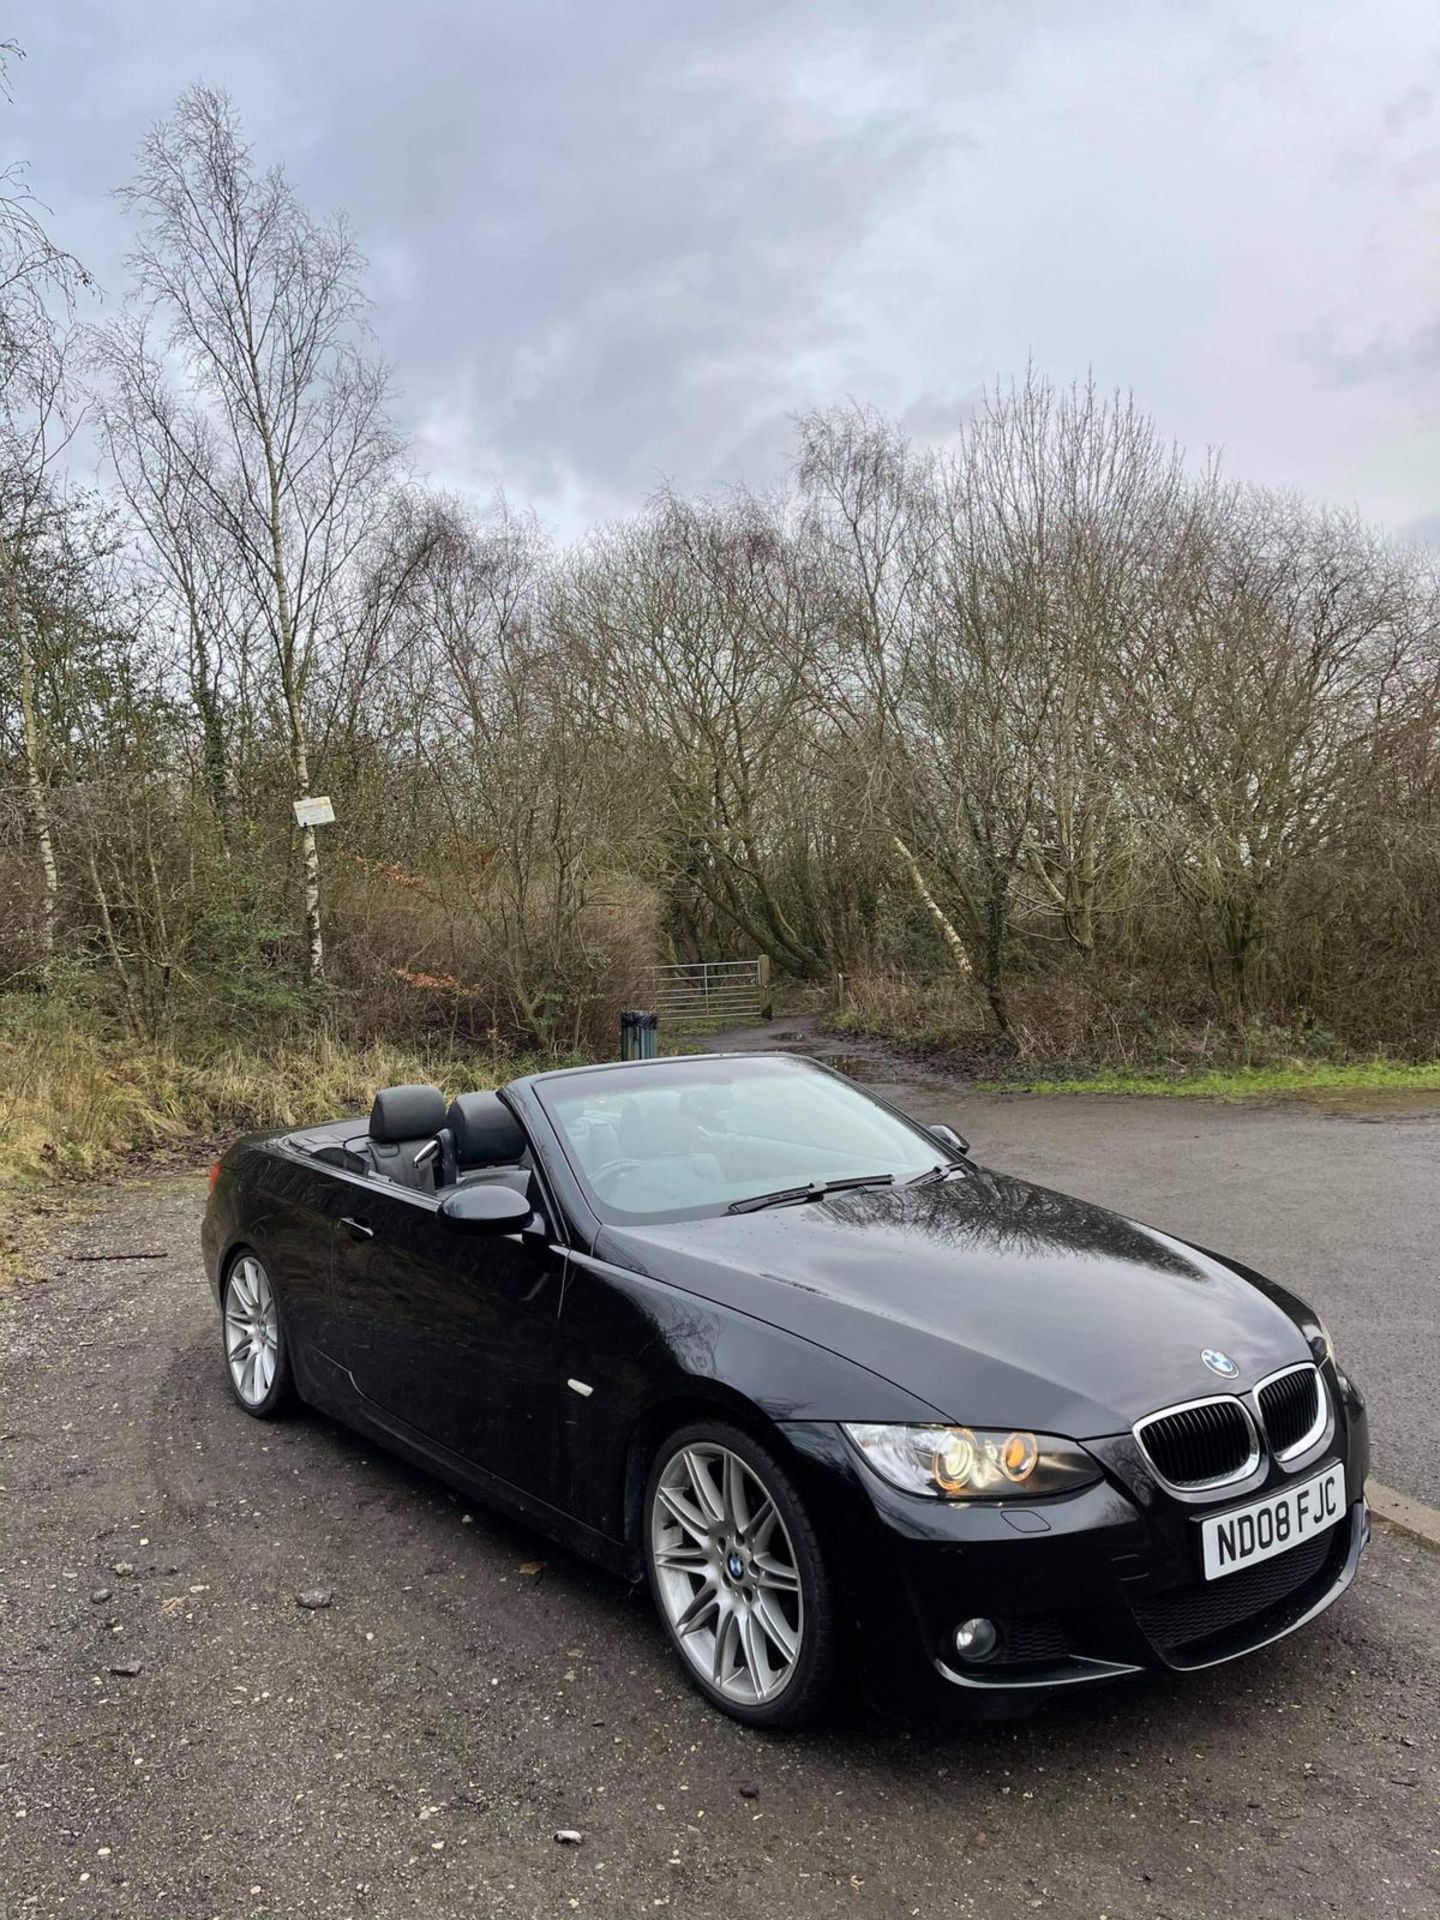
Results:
280 435
697 633
873 514
38 283
167 463
1291 635
991 609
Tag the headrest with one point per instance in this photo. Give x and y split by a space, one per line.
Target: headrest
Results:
649 1129
486 1133
406 1113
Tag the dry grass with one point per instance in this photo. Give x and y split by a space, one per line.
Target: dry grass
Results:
74 1101
939 1015
1120 1024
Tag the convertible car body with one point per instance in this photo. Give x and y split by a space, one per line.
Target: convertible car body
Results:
844 1397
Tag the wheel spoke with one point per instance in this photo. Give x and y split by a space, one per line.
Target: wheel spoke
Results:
760 1525
753 1654
726 1636
774 1623
732 1481
707 1499
775 1575
684 1515
687 1557
705 1601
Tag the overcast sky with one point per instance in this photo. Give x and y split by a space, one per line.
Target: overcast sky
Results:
617 242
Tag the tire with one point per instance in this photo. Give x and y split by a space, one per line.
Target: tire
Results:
738 1577
253 1346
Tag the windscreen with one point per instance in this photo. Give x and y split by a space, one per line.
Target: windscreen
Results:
689 1137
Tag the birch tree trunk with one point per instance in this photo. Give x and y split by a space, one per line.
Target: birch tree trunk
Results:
309 865
36 789
932 906
299 755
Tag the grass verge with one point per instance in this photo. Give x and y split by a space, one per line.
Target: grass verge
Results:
1294 1079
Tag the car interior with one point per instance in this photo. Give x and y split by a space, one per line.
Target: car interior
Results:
414 1140
646 1147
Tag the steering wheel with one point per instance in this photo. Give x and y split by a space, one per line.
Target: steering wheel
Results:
604 1178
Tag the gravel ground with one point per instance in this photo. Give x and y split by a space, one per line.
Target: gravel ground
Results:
179 1737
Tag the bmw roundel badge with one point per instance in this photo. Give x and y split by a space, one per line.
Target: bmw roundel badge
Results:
1220 1363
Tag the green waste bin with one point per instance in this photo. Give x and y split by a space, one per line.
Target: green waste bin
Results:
639 1034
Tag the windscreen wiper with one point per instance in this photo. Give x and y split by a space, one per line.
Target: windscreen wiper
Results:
932 1176
813 1190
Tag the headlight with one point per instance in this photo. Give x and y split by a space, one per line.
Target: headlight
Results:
973 1463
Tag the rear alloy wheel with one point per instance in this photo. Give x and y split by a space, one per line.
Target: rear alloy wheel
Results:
738 1577
256 1362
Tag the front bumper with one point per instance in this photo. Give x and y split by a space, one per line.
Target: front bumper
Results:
1101 1584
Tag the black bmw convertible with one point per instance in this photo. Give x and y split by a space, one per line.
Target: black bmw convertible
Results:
848 1400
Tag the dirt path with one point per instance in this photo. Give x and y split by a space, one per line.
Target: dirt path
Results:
412 1748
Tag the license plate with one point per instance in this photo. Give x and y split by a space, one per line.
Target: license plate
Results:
1273 1525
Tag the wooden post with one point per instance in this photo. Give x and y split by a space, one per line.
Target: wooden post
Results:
762 980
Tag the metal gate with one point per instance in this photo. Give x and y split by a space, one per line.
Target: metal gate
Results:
711 993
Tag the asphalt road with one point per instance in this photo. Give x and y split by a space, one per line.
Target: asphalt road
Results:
412 1748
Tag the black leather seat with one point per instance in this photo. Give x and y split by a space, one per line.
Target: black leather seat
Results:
405 1123
482 1140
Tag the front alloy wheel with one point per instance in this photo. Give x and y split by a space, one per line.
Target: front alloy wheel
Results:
255 1359
738 1577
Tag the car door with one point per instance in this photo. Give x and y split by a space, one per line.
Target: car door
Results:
290 1209
451 1335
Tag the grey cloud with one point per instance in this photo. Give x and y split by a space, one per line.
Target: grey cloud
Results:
622 244
1389 356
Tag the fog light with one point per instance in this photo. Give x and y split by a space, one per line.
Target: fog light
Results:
975 1639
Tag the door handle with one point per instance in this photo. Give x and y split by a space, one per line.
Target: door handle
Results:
357 1229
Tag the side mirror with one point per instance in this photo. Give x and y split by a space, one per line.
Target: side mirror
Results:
485 1209
948 1137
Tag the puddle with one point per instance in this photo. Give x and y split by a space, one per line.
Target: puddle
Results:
855 1064
860 1066
1370 1103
